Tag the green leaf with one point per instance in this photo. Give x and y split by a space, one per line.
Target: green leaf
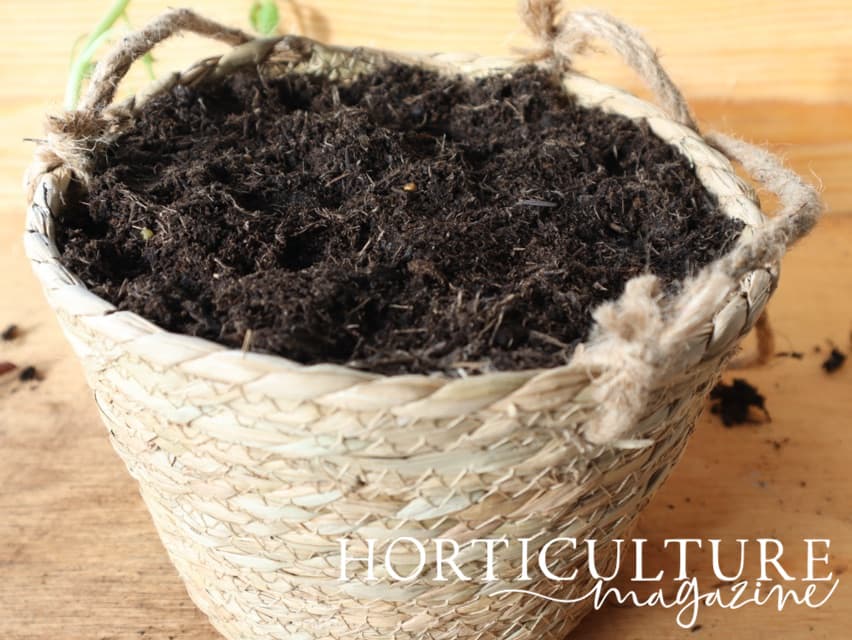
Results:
264 17
96 38
75 48
148 61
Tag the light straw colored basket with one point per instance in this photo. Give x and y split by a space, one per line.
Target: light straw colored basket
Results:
253 466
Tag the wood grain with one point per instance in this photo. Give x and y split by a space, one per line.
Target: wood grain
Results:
793 49
79 559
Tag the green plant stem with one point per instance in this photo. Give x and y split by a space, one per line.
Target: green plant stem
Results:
95 40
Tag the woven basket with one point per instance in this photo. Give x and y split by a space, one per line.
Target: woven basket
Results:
253 466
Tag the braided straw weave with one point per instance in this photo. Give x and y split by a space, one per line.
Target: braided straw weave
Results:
253 467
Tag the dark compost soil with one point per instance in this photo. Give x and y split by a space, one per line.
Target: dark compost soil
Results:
10 333
834 361
733 402
407 222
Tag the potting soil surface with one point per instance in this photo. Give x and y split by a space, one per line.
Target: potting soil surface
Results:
405 223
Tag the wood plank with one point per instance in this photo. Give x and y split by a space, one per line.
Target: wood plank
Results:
763 102
794 50
815 140
816 137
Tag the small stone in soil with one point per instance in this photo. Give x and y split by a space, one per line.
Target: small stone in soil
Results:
29 373
733 402
10 333
834 360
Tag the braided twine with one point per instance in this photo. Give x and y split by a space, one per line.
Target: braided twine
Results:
253 466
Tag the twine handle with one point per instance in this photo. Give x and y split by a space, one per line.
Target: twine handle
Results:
563 38
638 336
641 334
111 69
571 35
800 206
800 210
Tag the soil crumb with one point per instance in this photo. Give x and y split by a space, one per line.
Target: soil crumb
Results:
406 222
29 373
733 402
834 361
10 333
778 444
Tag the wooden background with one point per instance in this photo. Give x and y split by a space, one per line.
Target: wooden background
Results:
78 556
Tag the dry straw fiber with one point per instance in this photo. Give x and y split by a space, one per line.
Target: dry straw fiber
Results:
254 466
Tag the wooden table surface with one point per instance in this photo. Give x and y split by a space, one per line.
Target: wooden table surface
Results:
79 558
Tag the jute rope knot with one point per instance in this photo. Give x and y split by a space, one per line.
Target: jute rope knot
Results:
625 331
72 137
